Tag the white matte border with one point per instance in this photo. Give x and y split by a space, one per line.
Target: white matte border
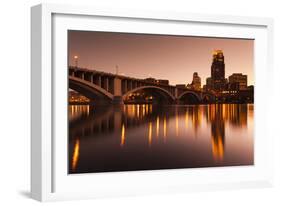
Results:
121 183
159 179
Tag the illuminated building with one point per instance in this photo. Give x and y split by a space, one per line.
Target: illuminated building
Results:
218 71
239 80
75 97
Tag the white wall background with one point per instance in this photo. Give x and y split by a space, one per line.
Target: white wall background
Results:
15 101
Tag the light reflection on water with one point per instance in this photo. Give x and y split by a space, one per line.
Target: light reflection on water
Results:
145 137
75 156
123 136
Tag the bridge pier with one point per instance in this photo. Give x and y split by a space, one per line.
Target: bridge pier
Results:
117 85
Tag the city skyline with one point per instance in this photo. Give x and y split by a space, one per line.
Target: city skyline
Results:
157 55
135 100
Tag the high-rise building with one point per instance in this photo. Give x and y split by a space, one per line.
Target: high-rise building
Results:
218 71
196 81
238 79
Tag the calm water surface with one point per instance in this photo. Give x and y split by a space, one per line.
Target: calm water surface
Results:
147 137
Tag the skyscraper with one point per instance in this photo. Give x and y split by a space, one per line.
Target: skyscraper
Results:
218 71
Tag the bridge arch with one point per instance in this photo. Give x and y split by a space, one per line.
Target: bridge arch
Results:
190 96
157 91
89 90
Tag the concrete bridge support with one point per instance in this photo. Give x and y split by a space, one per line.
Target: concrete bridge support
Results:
117 99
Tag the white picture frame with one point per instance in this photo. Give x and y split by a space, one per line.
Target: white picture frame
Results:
49 178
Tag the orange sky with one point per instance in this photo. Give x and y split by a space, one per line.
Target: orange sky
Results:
160 56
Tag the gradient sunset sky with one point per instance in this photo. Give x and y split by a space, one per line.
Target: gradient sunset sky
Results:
159 56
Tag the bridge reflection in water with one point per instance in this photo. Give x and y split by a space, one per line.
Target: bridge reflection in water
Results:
146 137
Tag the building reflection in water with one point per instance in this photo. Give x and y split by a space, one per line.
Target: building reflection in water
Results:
141 122
76 111
157 126
123 135
138 111
195 115
143 110
218 115
164 128
150 133
217 131
177 123
75 156
186 119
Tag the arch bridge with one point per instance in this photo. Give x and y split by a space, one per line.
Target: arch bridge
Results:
111 88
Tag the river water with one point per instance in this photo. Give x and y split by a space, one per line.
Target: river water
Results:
149 137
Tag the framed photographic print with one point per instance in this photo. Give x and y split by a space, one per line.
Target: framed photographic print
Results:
134 102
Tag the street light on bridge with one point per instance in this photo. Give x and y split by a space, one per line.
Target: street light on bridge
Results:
116 67
76 60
